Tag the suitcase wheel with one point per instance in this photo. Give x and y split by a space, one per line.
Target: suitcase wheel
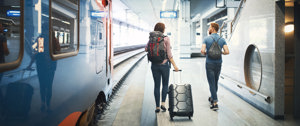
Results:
190 117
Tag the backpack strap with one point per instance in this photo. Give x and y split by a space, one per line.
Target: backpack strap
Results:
161 39
212 38
219 39
215 40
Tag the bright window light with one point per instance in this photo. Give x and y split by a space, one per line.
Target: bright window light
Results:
164 5
289 28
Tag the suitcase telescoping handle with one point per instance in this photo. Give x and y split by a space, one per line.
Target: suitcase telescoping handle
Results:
179 76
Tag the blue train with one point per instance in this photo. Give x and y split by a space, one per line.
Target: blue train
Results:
55 66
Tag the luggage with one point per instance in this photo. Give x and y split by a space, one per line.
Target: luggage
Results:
18 100
155 48
180 100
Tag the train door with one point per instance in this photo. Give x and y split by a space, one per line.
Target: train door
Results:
97 38
109 54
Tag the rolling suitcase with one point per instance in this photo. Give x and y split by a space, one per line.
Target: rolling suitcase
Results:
18 100
180 100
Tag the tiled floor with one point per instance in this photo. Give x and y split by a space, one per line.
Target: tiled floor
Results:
135 103
232 110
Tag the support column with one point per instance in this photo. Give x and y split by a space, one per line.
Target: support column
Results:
185 30
279 60
297 60
193 34
289 64
204 28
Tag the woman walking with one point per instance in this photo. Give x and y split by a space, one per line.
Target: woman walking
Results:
160 56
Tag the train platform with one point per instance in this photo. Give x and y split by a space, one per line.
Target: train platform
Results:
134 104
83 62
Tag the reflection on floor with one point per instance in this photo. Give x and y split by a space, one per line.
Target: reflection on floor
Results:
135 107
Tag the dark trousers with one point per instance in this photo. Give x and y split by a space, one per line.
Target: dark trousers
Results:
213 72
46 82
160 71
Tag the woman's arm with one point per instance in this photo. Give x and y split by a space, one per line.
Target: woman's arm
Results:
174 65
146 47
169 53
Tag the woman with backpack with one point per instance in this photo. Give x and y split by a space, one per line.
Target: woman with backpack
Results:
159 53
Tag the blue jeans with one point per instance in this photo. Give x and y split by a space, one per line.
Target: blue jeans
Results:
213 72
160 71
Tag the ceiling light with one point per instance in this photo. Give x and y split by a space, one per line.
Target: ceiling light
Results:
289 27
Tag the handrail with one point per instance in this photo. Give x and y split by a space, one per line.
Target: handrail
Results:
234 19
222 28
241 85
8 20
236 15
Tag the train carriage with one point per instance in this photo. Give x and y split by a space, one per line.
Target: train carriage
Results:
56 61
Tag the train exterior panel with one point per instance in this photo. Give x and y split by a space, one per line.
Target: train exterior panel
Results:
256 58
65 66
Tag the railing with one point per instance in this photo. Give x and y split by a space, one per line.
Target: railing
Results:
222 27
234 20
241 85
232 24
124 49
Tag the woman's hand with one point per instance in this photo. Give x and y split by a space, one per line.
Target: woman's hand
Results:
174 65
176 68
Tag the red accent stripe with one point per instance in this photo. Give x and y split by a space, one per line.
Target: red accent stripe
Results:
153 45
157 44
157 48
150 48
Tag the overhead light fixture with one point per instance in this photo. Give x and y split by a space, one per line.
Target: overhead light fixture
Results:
15 6
289 27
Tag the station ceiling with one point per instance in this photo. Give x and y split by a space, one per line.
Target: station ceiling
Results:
149 10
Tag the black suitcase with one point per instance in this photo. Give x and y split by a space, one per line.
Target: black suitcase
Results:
18 100
180 100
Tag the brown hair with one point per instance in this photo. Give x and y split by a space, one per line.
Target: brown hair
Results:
215 26
159 27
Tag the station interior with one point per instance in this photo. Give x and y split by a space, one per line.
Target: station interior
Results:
259 82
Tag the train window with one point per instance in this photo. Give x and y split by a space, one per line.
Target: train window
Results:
11 34
64 28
